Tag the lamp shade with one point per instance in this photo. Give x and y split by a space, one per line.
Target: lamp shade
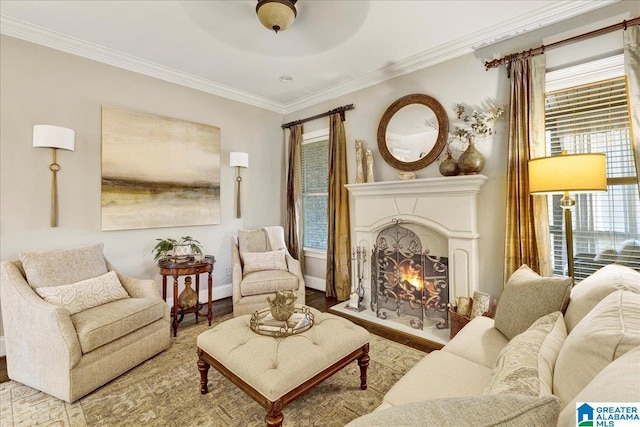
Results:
238 159
276 15
53 137
575 173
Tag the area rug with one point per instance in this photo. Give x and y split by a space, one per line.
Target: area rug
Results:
165 391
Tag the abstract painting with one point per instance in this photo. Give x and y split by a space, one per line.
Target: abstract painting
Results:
158 171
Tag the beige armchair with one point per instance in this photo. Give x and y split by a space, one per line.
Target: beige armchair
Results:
261 266
69 355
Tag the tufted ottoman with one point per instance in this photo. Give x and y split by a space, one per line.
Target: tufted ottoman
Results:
276 371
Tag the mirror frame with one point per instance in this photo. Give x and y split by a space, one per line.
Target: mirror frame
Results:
441 142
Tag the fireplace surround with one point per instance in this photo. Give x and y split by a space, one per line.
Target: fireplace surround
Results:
442 211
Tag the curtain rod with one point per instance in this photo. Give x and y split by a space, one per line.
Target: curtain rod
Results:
537 51
340 110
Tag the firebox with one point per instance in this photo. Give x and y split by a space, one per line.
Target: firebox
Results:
406 281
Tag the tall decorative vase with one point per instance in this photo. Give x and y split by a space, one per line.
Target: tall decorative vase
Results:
360 176
472 161
188 297
369 158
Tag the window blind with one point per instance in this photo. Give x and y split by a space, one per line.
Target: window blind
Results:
594 118
315 190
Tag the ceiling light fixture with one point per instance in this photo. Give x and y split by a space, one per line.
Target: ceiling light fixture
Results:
276 15
286 79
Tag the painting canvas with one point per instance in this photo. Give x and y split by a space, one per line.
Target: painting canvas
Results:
158 171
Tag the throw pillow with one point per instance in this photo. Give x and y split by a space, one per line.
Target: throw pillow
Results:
610 330
527 297
589 292
630 253
252 241
617 382
495 410
525 365
62 267
85 294
261 261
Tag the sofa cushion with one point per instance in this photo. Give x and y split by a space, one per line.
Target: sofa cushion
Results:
252 241
105 323
617 382
63 267
496 410
85 294
448 375
525 365
610 330
589 292
479 341
527 296
264 261
266 282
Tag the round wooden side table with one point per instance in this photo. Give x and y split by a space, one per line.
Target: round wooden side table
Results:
178 268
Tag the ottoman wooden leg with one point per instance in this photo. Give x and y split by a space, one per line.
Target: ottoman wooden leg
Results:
363 362
203 367
274 414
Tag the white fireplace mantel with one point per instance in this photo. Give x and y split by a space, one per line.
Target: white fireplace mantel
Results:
447 205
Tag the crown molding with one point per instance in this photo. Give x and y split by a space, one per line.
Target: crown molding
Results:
556 12
55 40
551 14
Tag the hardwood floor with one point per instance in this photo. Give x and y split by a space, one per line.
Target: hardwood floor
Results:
317 300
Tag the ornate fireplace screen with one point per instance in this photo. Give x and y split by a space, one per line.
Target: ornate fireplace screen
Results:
407 280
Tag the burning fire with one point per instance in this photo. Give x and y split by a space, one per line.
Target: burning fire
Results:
412 279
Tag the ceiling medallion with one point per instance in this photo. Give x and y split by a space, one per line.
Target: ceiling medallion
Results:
276 15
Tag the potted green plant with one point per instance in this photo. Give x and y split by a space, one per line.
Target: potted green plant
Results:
182 247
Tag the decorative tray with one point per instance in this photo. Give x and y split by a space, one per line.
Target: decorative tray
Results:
263 323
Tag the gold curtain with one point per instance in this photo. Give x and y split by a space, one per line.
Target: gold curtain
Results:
294 195
527 238
338 226
632 70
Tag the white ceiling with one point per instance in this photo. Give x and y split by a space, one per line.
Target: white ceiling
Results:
332 48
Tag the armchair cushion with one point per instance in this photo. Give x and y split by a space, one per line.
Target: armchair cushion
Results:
252 241
63 267
262 261
85 294
103 324
267 282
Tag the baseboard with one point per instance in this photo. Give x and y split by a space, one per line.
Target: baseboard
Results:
219 292
315 283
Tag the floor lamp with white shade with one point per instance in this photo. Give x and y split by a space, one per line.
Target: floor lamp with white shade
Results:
564 174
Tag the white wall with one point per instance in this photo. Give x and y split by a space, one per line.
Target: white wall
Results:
465 80
44 86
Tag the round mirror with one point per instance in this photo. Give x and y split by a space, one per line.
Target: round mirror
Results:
413 132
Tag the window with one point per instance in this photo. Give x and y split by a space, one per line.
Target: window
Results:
315 188
590 118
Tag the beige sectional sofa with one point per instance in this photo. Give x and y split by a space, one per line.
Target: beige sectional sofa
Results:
532 363
72 324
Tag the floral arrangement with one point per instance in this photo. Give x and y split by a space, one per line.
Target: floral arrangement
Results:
477 123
